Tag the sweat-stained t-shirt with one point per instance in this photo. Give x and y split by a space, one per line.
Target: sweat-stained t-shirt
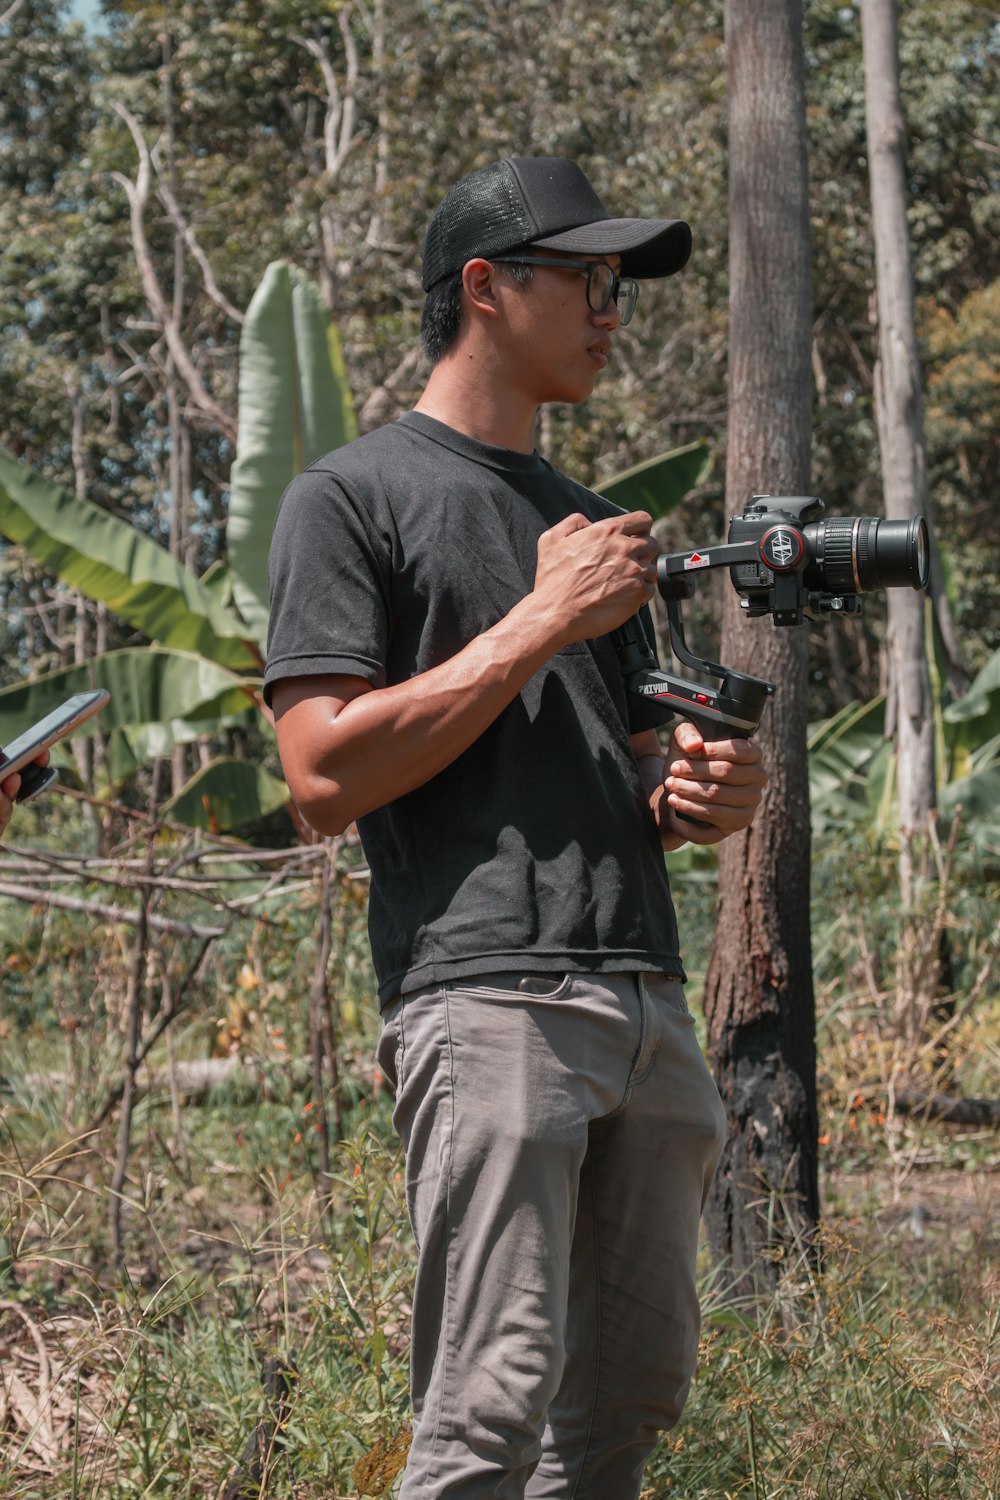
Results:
536 847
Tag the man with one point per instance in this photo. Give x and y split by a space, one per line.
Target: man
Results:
441 669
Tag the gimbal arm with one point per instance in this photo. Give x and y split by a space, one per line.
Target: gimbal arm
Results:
731 711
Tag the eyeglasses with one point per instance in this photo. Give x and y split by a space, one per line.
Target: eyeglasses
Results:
603 284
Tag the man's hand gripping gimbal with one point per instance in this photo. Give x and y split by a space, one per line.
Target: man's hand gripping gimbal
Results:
785 564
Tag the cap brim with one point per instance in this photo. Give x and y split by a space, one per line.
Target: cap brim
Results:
648 247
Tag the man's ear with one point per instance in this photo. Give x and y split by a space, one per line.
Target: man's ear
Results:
477 282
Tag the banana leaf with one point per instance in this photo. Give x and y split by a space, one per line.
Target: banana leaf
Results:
114 563
294 405
129 748
841 751
659 484
979 707
226 795
978 796
150 685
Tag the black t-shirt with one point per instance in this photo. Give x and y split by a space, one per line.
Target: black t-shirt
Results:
536 847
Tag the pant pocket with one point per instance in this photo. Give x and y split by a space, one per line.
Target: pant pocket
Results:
665 988
516 985
389 1051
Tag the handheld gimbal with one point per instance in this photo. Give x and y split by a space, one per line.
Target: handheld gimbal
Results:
783 563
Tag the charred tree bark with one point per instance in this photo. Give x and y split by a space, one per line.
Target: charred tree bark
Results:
759 994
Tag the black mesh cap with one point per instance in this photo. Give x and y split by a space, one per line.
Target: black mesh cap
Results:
545 201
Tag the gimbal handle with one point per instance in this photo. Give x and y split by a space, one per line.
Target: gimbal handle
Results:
731 711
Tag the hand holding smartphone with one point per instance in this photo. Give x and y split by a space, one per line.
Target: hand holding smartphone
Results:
23 751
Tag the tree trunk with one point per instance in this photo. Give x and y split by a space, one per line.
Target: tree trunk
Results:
899 414
758 994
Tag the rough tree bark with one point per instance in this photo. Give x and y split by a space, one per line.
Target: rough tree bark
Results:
759 995
899 415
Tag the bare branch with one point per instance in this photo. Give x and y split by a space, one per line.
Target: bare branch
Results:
138 195
379 406
38 897
350 101
341 108
376 26
183 228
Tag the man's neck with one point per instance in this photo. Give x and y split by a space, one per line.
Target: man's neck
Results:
461 395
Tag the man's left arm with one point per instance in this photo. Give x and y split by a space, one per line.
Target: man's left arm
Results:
719 783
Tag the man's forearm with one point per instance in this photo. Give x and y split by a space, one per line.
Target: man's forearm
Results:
388 741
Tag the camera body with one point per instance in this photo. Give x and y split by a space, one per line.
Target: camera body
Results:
803 567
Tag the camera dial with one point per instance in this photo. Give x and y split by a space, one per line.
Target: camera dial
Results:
782 549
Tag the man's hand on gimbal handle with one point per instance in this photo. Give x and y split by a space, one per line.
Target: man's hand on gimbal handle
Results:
709 733
712 787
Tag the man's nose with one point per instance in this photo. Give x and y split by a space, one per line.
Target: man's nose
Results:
609 317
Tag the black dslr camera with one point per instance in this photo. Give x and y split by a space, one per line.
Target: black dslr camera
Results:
783 563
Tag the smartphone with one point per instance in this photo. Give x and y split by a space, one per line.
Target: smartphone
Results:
20 753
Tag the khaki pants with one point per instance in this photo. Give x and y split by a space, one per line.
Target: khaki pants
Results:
559 1147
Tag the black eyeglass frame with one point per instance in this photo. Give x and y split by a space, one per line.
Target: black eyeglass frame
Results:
628 284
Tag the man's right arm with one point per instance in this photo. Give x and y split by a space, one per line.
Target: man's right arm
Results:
347 748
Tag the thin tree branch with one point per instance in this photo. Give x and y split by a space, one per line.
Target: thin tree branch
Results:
37 897
183 228
138 195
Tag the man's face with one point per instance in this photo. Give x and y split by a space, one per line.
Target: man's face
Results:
560 345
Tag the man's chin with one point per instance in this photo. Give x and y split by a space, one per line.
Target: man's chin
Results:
571 392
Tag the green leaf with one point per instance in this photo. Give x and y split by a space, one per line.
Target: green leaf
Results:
853 732
227 794
148 685
659 484
841 750
295 405
379 1348
129 748
881 789
982 700
112 562
978 796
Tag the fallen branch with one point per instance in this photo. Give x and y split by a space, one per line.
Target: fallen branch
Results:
37 897
947 1108
246 1079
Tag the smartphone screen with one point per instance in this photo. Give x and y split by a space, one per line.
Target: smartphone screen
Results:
55 726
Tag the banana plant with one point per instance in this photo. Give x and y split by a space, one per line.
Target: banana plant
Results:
851 763
203 668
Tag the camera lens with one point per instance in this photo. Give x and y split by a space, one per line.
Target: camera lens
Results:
855 554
